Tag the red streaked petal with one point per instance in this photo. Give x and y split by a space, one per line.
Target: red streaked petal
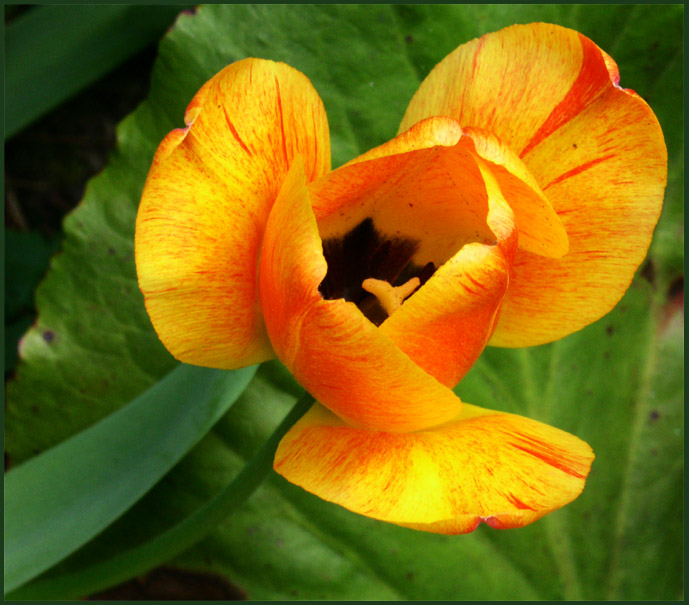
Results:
483 466
607 186
540 229
206 202
446 324
508 82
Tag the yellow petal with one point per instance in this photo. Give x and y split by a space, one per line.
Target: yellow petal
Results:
337 354
206 202
420 186
607 186
425 184
596 151
508 82
483 466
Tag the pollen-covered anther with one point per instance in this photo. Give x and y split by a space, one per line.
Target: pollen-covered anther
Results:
390 297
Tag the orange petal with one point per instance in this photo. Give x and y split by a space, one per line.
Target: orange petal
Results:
420 185
446 324
206 202
540 229
337 354
483 466
595 149
425 184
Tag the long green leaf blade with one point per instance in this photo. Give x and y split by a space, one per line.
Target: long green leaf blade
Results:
55 51
57 501
139 559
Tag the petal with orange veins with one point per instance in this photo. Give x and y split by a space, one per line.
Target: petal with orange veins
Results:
330 347
483 466
419 186
521 83
447 323
425 183
596 151
607 186
205 204
540 229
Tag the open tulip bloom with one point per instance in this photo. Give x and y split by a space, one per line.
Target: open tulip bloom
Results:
512 209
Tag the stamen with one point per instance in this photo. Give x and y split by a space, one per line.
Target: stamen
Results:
390 297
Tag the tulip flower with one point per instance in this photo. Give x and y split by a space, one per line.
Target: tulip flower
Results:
512 209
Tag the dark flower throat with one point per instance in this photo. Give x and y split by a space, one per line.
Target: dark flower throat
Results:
364 252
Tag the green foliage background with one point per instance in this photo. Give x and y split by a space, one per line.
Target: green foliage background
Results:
618 384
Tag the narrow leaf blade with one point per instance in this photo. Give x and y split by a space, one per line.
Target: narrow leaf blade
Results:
62 498
177 538
55 51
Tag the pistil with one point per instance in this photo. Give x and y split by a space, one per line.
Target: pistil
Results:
390 297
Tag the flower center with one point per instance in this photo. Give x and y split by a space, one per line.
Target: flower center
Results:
373 270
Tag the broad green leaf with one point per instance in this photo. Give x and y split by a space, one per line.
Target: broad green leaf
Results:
616 384
59 500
